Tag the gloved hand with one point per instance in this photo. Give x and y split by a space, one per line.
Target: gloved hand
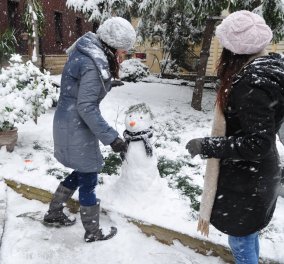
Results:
116 83
194 146
118 145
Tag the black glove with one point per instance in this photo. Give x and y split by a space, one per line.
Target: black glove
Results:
194 146
116 83
118 145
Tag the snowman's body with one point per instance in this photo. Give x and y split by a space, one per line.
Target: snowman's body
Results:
139 170
140 192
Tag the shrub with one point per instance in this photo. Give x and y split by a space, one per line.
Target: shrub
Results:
8 43
133 70
168 167
58 173
171 169
112 164
190 190
169 67
25 93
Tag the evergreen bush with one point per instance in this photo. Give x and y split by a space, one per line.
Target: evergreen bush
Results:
133 70
8 43
25 93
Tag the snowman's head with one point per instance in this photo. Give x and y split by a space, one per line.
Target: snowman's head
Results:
138 118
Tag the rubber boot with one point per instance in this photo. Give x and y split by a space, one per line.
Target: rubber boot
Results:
90 216
55 215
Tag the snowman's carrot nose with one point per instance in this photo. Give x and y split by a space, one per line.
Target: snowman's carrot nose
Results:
132 123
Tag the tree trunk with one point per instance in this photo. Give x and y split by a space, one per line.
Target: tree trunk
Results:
201 71
34 38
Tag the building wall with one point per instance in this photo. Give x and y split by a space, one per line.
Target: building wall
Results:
11 16
216 49
3 15
69 32
16 22
49 44
153 56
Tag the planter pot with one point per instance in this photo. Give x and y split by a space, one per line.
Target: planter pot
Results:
9 139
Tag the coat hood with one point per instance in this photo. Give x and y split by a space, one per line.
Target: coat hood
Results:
91 46
265 69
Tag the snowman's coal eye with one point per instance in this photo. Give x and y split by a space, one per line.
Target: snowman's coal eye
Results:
130 116
141 117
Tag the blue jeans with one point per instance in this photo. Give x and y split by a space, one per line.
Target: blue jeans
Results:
86 183
245 249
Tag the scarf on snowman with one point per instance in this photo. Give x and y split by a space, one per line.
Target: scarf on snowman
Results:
211 176
144 135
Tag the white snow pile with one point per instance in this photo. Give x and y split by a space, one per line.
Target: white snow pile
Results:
133 70
25 92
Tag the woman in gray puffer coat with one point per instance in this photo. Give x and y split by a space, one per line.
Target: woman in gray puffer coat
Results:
78 125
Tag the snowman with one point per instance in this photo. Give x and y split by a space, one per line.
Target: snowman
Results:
139 171
139 191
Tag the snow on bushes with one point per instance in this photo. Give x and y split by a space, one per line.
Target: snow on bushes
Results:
169 67
25 93
133 70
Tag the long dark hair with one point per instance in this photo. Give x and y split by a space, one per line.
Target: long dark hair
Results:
112 60
229 64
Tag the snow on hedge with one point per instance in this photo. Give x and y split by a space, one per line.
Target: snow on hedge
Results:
133 70
25 92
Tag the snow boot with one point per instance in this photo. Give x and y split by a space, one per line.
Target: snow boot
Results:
90 219
55 215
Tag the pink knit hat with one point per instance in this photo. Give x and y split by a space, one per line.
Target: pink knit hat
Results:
244 32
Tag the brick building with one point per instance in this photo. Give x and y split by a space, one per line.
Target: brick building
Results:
62 27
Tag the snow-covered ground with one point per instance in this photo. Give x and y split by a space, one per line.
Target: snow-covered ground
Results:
175 122
29 242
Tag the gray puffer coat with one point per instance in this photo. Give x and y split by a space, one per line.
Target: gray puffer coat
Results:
78 125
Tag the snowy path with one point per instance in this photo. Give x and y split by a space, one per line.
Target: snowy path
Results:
29 242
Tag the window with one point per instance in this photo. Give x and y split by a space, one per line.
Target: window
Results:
58 27
141 55
79 28
12 9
